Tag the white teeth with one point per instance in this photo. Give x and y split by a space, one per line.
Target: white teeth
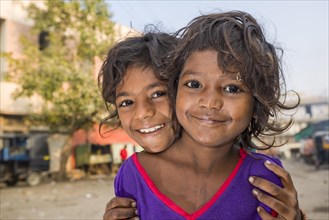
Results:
148 130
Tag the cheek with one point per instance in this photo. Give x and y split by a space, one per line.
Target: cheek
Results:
244 112
244 120
186 99
181 99
179 104
163 108
183 106
124 120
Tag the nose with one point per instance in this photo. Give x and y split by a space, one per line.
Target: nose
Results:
211 99
144 109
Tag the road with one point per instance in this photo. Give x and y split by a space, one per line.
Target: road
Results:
86 199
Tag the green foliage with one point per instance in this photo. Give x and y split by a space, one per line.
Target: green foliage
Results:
63 73
86 23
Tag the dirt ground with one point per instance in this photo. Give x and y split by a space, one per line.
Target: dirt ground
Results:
86 199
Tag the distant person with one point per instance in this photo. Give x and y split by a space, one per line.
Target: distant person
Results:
123 154
307 150
309 146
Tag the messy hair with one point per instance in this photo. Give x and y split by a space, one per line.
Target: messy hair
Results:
150 50
242 48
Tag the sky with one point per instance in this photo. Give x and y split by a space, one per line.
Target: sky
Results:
299 27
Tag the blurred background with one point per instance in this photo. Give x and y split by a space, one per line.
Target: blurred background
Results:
52 156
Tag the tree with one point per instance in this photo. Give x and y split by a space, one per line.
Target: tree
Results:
60 69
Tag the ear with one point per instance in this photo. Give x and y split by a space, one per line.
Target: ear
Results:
254 118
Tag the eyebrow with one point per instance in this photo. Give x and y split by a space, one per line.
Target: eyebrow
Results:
190 73
148 87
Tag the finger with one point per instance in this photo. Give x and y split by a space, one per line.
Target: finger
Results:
265 215
275 204
134 218
280 172
267 186
284 202
120 202
288 191
120 213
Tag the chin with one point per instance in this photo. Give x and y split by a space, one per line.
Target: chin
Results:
159 148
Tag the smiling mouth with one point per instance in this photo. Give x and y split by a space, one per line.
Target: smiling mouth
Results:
150 130
209 120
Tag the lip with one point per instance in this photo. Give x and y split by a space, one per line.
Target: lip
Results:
209 120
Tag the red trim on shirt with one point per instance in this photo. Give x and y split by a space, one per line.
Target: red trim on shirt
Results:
155 190
175 207
227 182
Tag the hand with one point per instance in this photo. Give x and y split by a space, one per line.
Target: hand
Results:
120 208
283 200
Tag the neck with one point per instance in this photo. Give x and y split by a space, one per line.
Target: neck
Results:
202 157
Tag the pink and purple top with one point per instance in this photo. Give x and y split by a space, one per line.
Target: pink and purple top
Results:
233 200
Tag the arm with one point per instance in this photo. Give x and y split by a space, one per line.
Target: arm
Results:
120 208
123 206
283 200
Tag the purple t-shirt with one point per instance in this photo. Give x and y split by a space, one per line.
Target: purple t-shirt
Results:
233 200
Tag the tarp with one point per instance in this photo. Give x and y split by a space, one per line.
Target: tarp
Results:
311 129
114 136
304 133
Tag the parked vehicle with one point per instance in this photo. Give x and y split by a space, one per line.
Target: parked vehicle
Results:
94 159
321 140
24 157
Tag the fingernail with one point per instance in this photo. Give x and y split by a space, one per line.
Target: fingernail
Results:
251 179
267 162
136 212
258 209
136 218
255 192
133 204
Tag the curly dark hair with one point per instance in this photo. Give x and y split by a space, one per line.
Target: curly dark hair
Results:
242 48
150 50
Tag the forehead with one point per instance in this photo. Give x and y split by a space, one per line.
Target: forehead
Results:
206 63
136 73
136 79
202 57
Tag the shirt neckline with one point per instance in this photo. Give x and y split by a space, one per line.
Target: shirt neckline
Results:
167 201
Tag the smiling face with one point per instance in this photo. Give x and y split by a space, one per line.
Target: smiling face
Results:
213 107
143 109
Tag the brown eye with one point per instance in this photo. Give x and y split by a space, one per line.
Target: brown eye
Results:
193 84
232 89
158 94
125 103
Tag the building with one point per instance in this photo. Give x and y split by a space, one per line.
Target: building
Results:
311 115
14 23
